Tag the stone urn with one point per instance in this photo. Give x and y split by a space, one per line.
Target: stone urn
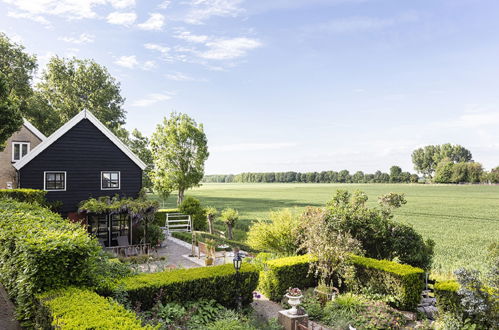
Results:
294 301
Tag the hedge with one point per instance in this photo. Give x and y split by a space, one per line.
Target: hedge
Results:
283 273
24 195
160 216
403 282
40 251
73 308
217 282
447 298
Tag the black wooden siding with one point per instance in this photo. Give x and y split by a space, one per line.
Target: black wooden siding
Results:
83 152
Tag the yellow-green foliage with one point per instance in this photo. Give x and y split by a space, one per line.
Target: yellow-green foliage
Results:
278 235
40 251
217 282
24 195
74 308
448 300
403 282
281 274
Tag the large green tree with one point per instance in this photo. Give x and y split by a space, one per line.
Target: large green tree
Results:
10 117
179 150
426 159
71 85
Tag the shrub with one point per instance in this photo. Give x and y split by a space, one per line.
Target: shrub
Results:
24 195
229 217
283 273
192 207
73 308
448 300
40 251
403 282
218 282
160 216
280 235
154 234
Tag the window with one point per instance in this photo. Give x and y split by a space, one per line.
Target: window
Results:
19 150
55 180
110 180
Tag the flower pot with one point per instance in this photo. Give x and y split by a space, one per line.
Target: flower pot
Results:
326 296
294 301
208 261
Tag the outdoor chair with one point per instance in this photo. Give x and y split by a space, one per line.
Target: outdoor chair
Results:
124 245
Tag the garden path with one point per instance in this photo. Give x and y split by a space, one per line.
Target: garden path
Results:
174 253
7 319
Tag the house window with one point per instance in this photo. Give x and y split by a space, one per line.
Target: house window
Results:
19 150
54 181
110 180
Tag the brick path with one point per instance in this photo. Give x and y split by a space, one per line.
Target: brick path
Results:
7 320
173 252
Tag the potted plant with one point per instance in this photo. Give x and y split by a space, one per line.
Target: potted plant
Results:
210 247
294 296
325 292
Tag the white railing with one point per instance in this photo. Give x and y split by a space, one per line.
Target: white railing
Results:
176 222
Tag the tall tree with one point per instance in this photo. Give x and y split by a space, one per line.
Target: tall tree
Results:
139 144
179 150
426 159
71 85
395 172
10 117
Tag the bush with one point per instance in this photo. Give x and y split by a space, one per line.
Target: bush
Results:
280 235
160 216
403 282
283 273
73 308
218 282
154 234
24 195
41 251
448 300
192 207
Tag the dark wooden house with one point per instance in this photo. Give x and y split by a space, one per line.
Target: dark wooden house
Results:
84 159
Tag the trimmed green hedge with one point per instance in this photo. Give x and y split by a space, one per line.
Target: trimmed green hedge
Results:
160 216
40 251
24 195
403 282
217 282
73 308
283 273
447 298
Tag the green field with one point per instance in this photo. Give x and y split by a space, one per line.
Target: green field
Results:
462 219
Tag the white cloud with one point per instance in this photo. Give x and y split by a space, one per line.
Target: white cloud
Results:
205 9
149 65
120 18
187 36
155 22
81 39
164 4
179 76
129 62
152 99
120 4
253 146
473 120
36 18
70 9
163 50
226 49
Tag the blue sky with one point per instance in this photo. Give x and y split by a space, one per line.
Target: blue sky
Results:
279 85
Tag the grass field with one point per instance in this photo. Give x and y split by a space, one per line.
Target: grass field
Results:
462 219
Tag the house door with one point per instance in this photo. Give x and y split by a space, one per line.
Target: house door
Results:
98 227
120 227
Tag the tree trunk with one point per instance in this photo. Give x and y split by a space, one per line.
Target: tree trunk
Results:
229 231
210 224
180 198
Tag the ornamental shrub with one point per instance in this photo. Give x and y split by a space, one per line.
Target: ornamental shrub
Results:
448 300
403 282
217 282
192 207
281 274
73 308
40 251
24 195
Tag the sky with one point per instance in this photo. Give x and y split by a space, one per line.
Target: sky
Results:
290 85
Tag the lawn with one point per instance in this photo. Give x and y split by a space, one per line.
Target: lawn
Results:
462 219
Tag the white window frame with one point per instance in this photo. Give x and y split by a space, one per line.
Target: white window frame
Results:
20 150
45 180
119 180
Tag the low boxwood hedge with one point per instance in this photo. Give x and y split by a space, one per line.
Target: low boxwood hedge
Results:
448 301
403 282
40 251
73 308
217 282
281 274
24 195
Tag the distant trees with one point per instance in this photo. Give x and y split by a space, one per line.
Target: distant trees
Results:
426 159
10 117
464 172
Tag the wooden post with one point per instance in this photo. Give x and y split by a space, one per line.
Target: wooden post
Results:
291 322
